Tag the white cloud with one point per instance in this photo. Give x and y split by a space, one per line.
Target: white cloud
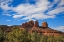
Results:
61 3
9 25
8 20
17 16
56 11
4 4
36 10
60 28
53 3
30 10
5 7
39 16
7 14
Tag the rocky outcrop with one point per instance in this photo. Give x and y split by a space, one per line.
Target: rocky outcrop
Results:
31 23
36 24
44 29
44 24
28 24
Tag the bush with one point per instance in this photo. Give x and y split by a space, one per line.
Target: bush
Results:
17 35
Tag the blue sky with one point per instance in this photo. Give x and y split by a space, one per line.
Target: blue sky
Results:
16 12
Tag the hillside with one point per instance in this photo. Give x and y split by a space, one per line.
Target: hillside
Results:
33 26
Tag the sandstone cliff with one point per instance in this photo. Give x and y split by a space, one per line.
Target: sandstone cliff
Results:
32 26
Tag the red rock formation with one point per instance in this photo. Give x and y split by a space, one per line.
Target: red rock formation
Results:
44 24
36 24
28 24
23 25
36 28
31 23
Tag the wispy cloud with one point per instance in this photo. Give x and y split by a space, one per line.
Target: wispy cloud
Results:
4 4
61 3
36 10
8 20
17 16
9 25
32 11
60 28
7 14
56 11
39 16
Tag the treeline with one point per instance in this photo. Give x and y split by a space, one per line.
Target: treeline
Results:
8 28
5 26
18 35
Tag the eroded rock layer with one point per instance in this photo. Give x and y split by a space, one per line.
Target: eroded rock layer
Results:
33 26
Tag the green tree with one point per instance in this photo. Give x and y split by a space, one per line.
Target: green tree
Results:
1 35
35 37
17 35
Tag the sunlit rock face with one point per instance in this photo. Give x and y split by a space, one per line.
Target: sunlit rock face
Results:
36 24
33 26
31 23
44 24
28 24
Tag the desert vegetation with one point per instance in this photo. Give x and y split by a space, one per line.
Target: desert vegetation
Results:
18 35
